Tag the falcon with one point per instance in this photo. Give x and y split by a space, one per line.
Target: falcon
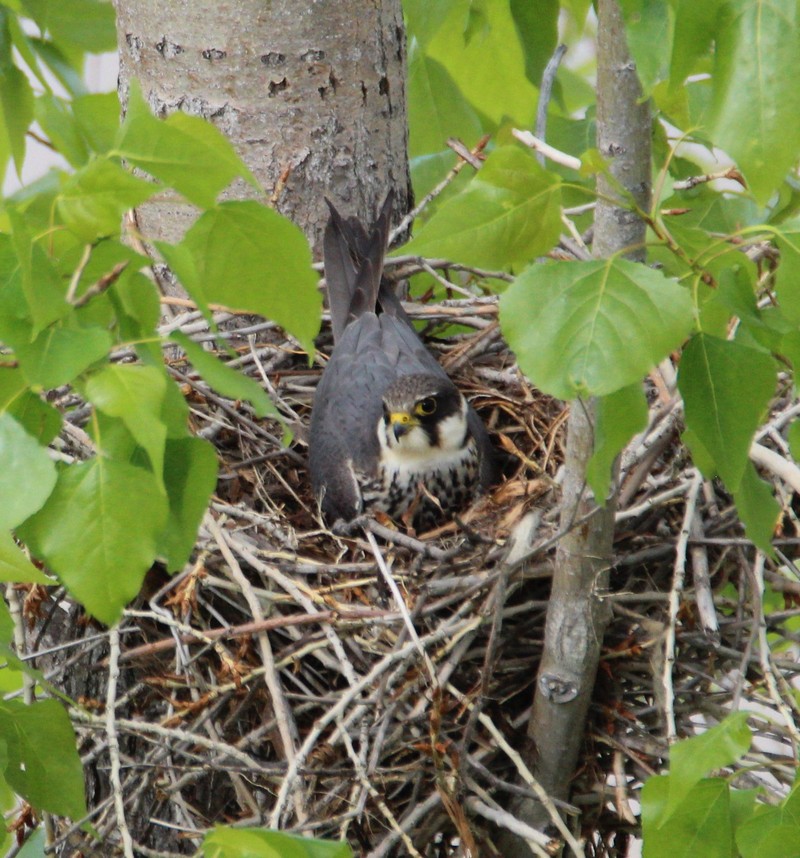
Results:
390 431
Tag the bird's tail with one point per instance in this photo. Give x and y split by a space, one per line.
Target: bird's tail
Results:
354 264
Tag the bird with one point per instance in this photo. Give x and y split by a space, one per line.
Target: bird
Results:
390 432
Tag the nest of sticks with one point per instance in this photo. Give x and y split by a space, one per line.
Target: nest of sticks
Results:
281 681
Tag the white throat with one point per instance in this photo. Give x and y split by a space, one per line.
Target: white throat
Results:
413 451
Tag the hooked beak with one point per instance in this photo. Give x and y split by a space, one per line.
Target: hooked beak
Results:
401 423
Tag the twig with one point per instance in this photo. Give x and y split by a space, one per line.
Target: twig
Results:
113 741
702 580
764 653
101 284
533 142
406 222
401 605
678 577
545 91
776 464
535 839
283 715
525 773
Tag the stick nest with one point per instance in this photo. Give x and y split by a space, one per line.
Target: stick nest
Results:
279 633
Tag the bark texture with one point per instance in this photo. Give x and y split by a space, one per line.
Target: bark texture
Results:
310 92
577 616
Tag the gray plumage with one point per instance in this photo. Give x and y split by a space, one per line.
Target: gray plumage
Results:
375 345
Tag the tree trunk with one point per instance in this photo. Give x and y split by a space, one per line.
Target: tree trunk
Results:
311 94
576 617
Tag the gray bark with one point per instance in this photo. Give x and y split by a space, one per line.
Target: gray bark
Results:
311 94
577 616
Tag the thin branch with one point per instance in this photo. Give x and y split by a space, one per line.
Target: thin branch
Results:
113 741
678 578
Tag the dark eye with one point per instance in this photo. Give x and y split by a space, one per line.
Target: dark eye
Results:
426 407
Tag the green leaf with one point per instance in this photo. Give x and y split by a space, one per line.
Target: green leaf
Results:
757 508
756 106
39 419
34 846
695 25
94 199
692 759
755 834
183 151
437 110
649 28
98 531
16 114
27 475
423 19
97 115
507 215
190 476
85 24
6 633
135 395
701 825
248 257
591 328
15 566
224 842
619 416
29 273
489 67
58 123
537 26
43 763
794 439
712 375
788 273
59 354
223 379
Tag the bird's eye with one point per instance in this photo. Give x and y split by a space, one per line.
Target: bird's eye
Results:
426 407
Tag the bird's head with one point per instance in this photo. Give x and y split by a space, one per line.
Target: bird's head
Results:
424 417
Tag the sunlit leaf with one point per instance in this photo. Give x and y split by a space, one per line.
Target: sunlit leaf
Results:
98 531
489 68
27 474
15 566
135 395
184 151
60 353
437 110
756 110
694 758
248 257
94 199
591 328
506 216
699 826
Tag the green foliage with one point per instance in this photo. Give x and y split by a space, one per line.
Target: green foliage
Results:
592 328
72 292
688 813
224 842
507 215
50 781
